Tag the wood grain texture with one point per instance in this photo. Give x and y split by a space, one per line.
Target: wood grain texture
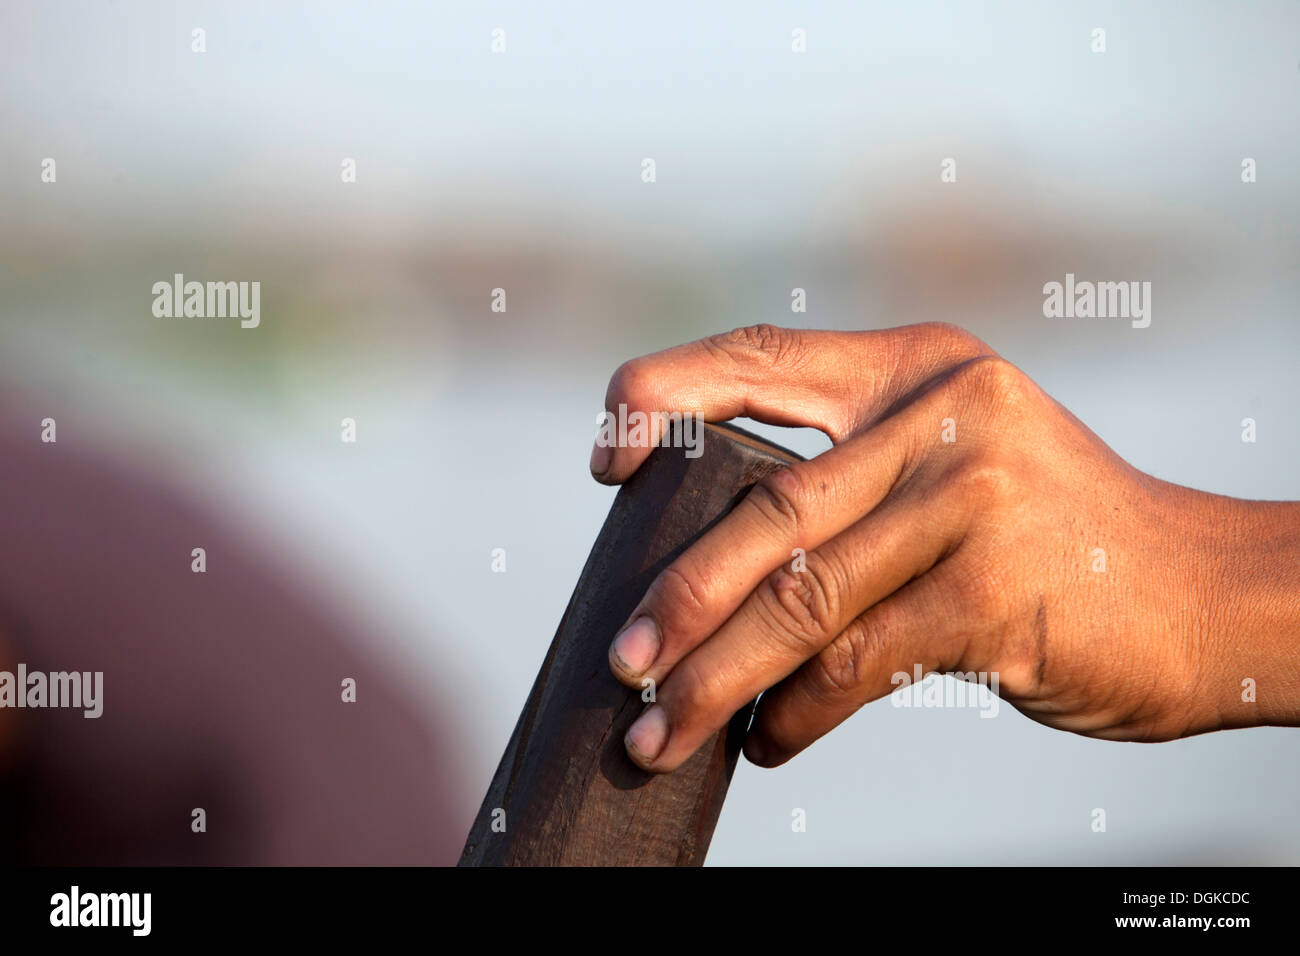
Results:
570 794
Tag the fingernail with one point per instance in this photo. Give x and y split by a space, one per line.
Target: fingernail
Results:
636 648
646 738
602 456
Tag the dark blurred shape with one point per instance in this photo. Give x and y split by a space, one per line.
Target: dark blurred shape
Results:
221 690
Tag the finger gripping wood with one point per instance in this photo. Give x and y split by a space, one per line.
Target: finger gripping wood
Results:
565 790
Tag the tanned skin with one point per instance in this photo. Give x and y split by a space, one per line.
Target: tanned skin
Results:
955 524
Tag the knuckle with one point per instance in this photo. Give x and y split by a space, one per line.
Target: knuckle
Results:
846 664
769 342
779 498
802 604
676 596
993 382
986 481
953 339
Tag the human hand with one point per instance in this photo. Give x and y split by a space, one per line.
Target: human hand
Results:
956 524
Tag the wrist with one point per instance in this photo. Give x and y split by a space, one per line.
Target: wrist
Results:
1246 614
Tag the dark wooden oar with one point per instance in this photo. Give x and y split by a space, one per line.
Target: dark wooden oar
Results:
565 792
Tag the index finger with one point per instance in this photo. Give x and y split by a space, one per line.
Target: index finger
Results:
836 382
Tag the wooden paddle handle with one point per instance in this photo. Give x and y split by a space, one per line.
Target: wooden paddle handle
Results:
565 792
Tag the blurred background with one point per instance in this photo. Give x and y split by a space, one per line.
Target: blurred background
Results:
521 170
